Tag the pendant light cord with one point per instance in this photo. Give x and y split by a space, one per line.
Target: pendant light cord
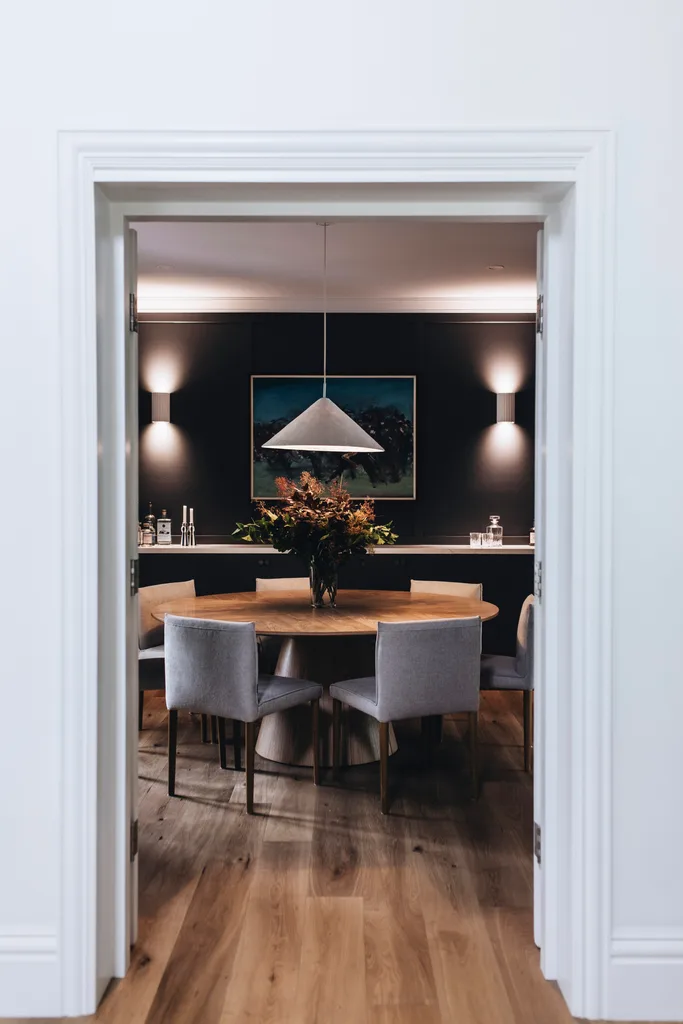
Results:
324 310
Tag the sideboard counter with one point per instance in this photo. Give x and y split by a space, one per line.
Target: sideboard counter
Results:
388 549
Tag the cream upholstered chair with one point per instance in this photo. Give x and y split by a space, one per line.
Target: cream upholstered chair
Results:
270 646
475 590
212 667
422 669
283 583
505 672
151 635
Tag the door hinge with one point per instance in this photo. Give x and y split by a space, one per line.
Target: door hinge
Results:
537 842
540 315
134 576
538 581
134 831
133 313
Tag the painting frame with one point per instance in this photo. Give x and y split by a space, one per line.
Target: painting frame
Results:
330 377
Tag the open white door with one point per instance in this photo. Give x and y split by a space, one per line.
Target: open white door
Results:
539 492
132 565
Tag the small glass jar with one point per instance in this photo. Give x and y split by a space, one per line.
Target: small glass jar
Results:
495 532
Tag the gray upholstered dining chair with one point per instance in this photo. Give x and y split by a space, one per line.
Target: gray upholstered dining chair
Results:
151 636
212 667
432 727
269 646
475 590
505 672
421 668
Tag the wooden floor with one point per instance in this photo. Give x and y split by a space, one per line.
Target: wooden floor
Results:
321 911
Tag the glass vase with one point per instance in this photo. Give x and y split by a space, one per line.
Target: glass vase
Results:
324 583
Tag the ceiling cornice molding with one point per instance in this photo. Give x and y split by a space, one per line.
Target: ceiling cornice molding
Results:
226 304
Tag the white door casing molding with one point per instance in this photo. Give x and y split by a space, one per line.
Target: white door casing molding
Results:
577 813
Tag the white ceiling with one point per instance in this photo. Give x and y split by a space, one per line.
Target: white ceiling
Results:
373 266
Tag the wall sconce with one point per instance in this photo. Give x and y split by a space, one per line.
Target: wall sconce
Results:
505 408
161 407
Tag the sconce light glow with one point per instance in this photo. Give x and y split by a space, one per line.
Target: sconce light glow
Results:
163 371
161 407
505 408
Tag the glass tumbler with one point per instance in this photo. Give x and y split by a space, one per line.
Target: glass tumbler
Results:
475 540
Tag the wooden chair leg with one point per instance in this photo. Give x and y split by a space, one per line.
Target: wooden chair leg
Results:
172 744
205 728
237 744
250 743
214 729
222 753
141 708
384 766
336 737
528 728
473 717
316 742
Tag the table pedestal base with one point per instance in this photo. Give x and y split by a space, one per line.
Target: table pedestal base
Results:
286 735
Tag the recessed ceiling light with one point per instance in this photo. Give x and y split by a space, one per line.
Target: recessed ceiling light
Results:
496 266
169 266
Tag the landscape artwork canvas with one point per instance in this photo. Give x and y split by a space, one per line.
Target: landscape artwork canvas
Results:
383 406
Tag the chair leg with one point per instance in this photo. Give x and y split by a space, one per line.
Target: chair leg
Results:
384 766
473 717
214 729
237 744
172 744
250 743
205 728
336 737
528 728
222 753
141 708
315 705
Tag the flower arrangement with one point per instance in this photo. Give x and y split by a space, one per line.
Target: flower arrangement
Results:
322 525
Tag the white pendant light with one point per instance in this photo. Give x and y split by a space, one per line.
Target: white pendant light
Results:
324 427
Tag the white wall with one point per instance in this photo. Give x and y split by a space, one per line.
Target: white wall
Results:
388 64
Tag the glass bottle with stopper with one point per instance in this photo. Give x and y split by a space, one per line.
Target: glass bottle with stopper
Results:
495 532
150 525
164 528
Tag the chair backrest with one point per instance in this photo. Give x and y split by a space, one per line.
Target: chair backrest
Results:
295 583
525 642
475 590
427 668
150 630
212 667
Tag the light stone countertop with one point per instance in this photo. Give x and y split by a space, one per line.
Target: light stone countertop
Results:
388 549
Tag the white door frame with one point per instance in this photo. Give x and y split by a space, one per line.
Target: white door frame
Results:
576 706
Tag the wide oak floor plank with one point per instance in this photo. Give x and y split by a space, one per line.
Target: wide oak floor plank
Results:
331 987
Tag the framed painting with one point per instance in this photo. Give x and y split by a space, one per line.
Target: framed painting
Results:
385 404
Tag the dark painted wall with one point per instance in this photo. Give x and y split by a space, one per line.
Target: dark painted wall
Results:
467 467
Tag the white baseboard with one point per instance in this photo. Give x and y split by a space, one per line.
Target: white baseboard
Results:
30 975
645 980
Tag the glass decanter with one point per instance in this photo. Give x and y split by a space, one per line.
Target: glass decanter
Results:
495 532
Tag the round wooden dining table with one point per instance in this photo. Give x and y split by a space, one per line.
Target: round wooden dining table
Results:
324 645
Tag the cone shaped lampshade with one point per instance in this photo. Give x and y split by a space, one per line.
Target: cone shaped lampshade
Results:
324 427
